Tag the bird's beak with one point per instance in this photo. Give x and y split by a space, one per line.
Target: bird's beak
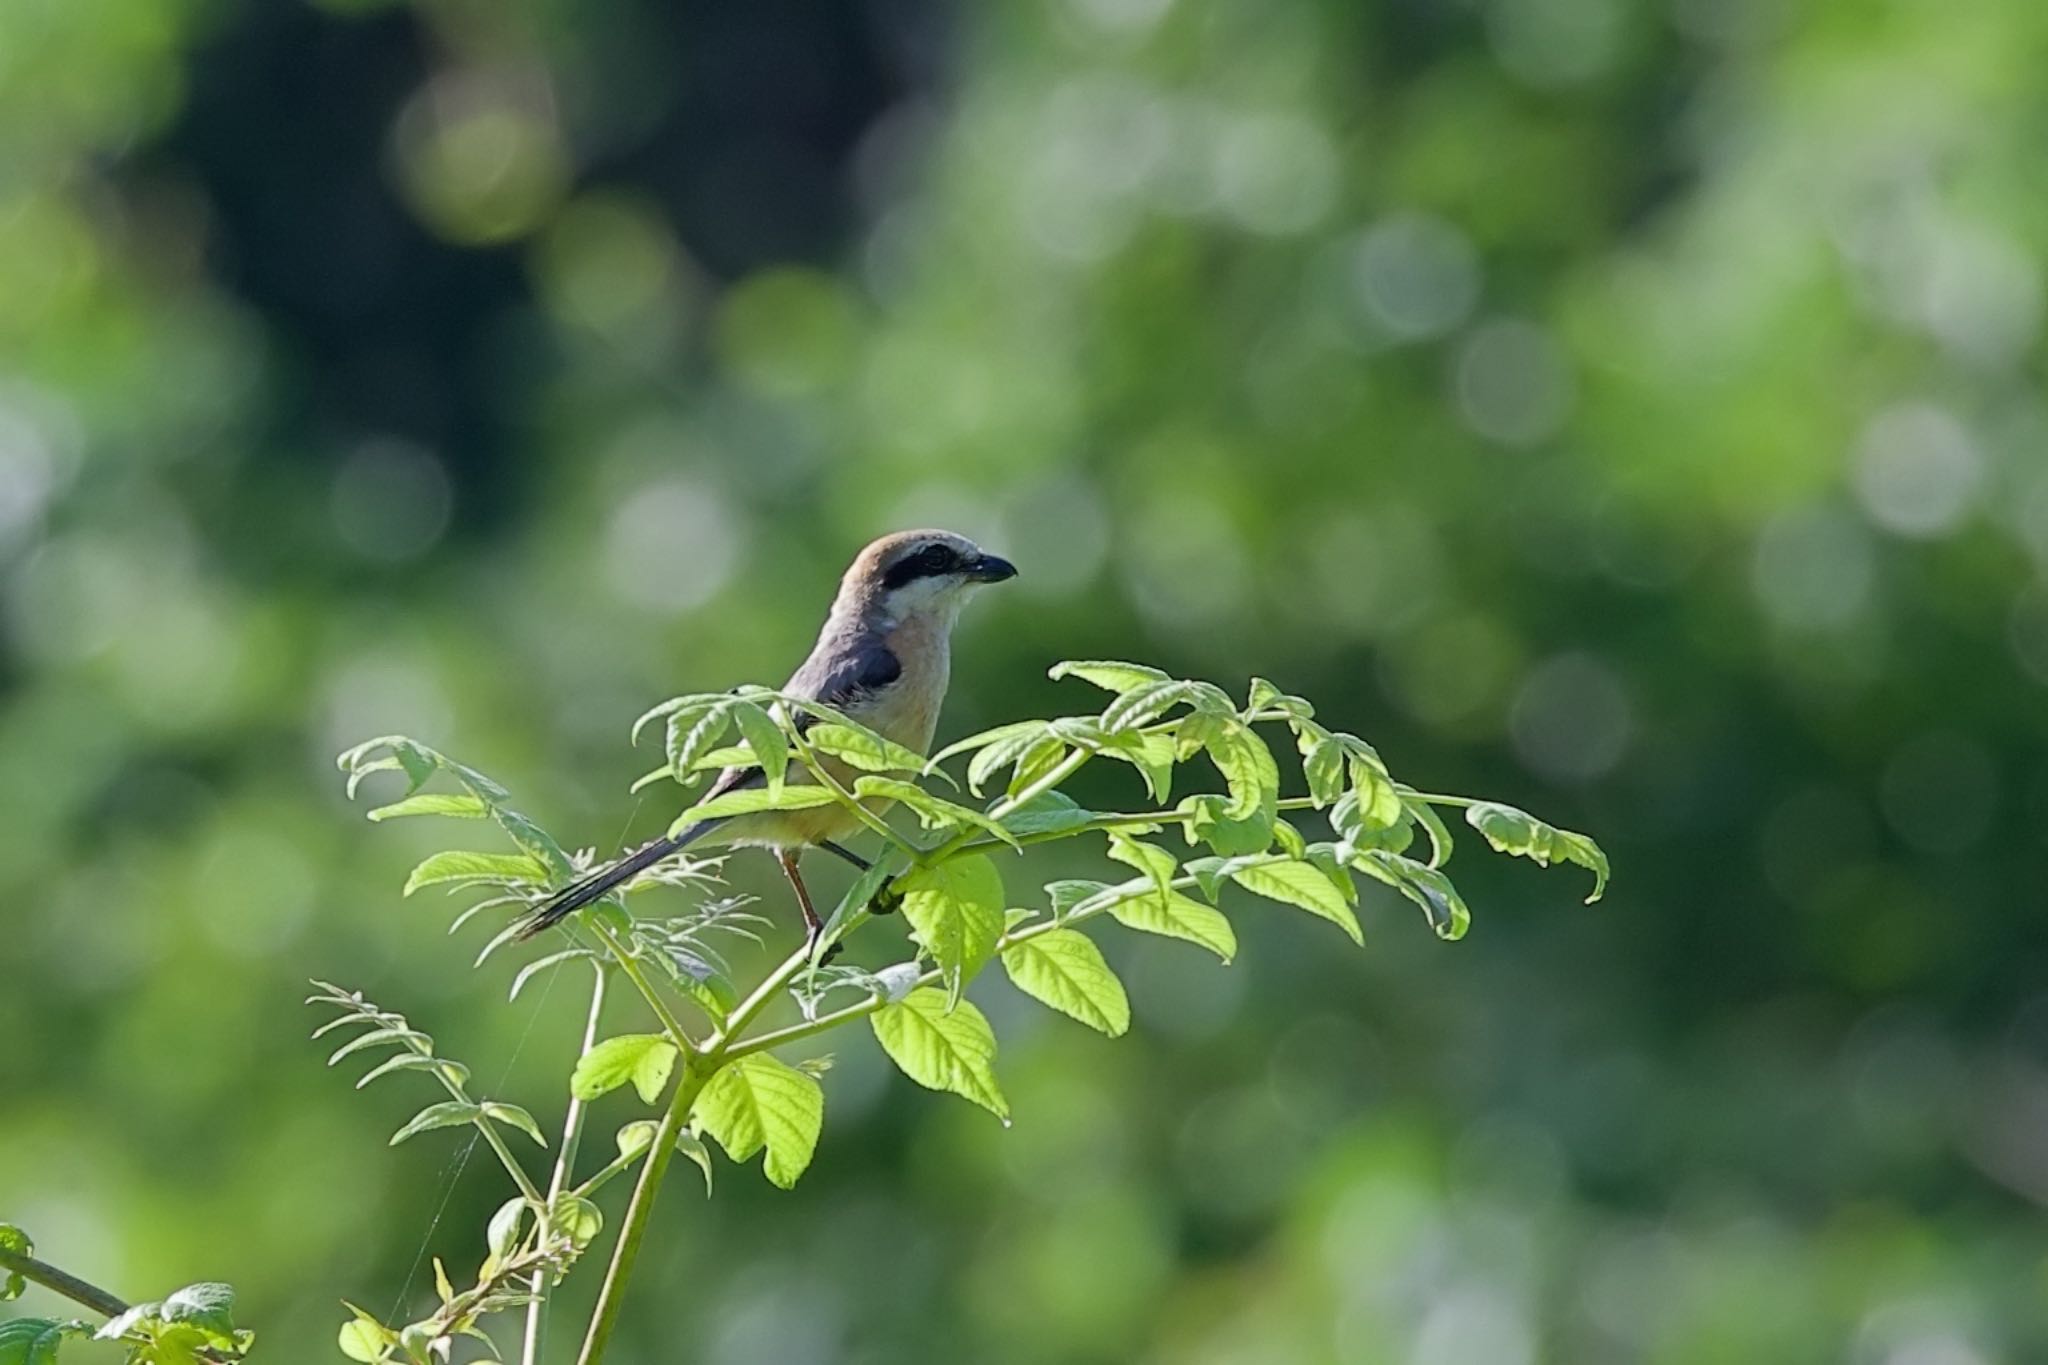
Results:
990 569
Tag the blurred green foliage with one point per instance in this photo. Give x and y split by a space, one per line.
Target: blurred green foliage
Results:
1629 409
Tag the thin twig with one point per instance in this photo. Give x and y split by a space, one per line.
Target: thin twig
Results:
62 1282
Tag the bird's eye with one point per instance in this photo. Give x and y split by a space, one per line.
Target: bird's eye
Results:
930 562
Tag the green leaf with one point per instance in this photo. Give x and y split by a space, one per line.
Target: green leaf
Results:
1517 832
1247 766
1047 813
942 1046
502 1236
636 1137
579 1219
208 1306
1145 703
957 910
541 964
983 738
463 865
1322 767
688 707
446 1114
34 1341
692 1147
1151 753
1150 859
758 1102
692 734
415 1061
1108 674
460 805
1424 814
859 747
770 746
1065 970
1300 884
1426 886
1067 894
515 1116
395 1035
1008 744
15 1240
1266 697
366 1339
1175 916
793 796
1209 821
932 812
645 1059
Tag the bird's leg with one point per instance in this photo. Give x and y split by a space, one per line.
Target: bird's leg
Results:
813 926
884 901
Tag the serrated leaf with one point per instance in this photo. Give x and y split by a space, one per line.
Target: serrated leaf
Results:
1519 833
1010 744
1047 813
957 910
692 734
932 812
1425 885
1145 703
645 1059
1299 884
1155 862
1249 770
747 800
859 747
464 865
765 738
1264 696
515 1116
1066 971
758 1103
1068 893
942 1047
446 1114
1174 915
459 805
1109 674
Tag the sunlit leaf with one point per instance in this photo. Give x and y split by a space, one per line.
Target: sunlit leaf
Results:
1514 831
862 748
765 738
515 1116
1065 970
1174 915
1047 813
942 1047
692 734
1298 884
15 1240
757 1102
933 812
460 805
957 910
645 1059
447 1114
1107 674
464 865
1425 885
747 800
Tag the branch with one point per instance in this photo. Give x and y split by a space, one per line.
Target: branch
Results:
564 1172
70 1286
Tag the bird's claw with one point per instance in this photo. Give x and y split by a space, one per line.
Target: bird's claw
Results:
885 901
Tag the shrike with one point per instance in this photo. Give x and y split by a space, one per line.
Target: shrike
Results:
882 658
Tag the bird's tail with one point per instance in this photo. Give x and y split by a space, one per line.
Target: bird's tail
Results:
596 885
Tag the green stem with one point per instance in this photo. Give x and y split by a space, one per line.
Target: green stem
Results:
1436 799
458 1093
565 1167
62 1282
627 1251
627 964
1024 932
1057 774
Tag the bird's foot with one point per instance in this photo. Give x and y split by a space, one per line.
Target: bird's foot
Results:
885 901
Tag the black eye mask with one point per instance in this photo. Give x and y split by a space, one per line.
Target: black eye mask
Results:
930 562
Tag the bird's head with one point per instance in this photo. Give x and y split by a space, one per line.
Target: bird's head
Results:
914 575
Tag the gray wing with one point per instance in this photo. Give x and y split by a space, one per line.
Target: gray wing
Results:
839 673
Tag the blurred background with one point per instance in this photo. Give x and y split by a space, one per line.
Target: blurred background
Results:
1629 410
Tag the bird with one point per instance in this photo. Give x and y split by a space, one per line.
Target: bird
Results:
883 658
